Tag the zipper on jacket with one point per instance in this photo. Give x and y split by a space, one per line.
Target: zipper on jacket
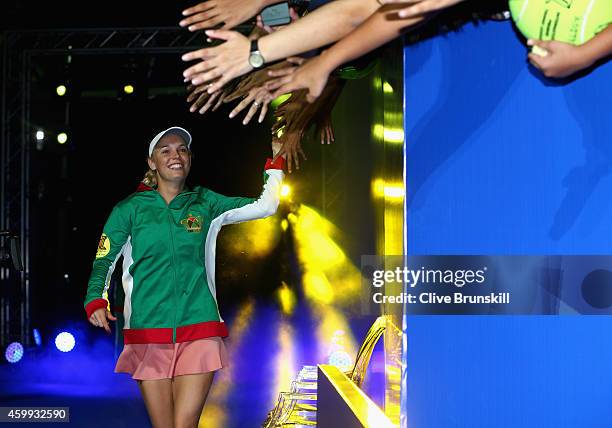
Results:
170 225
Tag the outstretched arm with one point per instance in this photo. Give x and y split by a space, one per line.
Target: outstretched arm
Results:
377 30
321 27
559 60
231 13
230 210
412 8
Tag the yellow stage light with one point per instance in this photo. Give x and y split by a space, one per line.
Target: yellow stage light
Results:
388 134
62 138
392 192
395 192
377 83
394 135
256 238
317 288
61 90
128 89
285 191
328 272
286 299
285 359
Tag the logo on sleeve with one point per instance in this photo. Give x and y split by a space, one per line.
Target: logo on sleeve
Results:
193 224
104 246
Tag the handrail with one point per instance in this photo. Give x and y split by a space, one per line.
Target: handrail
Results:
339 398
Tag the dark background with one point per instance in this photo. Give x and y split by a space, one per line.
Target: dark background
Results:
74 186
79 14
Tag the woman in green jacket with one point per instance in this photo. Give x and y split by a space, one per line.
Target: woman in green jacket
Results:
166 234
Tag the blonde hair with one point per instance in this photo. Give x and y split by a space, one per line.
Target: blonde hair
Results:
150 178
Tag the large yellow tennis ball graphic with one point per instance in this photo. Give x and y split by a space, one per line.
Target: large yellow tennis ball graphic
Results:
570 21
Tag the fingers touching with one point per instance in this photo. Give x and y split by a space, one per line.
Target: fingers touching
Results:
100 319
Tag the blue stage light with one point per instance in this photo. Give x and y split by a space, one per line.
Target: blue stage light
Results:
64 341
14 352
37 338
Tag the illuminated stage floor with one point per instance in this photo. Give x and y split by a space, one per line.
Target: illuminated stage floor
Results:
266 349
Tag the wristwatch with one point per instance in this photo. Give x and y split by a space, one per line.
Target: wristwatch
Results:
255 58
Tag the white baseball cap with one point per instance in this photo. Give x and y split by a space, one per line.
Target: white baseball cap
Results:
176 130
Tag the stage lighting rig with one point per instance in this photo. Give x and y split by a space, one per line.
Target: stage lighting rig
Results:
10 253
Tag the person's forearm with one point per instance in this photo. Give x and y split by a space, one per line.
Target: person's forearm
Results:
599 46
319 28
374 32
266 3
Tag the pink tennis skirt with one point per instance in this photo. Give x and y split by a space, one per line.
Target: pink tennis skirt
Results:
151 361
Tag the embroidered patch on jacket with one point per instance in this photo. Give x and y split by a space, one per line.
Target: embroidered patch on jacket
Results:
192 223
104 246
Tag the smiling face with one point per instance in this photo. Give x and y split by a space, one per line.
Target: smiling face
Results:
171 159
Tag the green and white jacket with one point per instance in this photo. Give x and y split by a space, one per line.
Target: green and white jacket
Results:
169 258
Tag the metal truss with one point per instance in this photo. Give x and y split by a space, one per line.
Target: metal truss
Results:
18 49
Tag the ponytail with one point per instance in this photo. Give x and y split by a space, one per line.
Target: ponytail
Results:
150 178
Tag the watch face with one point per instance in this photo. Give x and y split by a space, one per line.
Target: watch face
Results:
256 60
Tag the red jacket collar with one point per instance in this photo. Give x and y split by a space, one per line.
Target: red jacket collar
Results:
143 187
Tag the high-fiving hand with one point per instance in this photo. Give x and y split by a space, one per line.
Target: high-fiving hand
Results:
416 8
258 97
211 13
223 62
311 74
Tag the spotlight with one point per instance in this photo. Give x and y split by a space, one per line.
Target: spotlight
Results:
37 337
128 89
64 341
14 352
285 191
340 359
61 90
62 138
40 135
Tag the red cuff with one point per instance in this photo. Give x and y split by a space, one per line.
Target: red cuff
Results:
279 163
94 305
